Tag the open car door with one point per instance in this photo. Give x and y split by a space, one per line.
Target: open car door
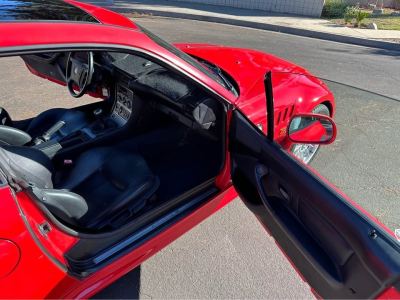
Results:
340 250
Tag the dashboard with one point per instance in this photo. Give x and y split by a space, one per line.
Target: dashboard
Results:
129 81
164 91
124 102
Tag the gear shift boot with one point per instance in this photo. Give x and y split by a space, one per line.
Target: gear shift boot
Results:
101 124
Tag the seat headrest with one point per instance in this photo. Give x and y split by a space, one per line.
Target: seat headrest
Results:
27 164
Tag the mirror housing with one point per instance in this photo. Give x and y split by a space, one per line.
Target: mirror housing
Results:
309 128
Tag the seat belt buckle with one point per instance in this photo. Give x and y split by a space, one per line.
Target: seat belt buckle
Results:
68 162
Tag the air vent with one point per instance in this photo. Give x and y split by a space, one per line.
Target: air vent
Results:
287 112
291 112
285 115
279 118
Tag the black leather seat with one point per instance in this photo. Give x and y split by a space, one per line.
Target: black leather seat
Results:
104 187
74 120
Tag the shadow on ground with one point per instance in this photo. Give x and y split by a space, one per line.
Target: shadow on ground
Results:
127 287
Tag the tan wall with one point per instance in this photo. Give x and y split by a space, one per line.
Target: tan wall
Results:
300 7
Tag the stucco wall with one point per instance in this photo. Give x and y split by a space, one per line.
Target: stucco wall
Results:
300 7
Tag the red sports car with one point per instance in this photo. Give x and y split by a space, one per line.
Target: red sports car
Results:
89 193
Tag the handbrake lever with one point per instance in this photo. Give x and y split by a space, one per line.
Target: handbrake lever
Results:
47 135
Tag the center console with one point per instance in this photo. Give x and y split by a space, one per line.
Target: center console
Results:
124 103
118 117
104 129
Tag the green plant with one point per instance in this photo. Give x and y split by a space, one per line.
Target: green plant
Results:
348 17
351 12
360 16
334 8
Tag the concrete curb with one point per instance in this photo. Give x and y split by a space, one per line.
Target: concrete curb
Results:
270 27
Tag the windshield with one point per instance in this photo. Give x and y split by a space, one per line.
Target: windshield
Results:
182 55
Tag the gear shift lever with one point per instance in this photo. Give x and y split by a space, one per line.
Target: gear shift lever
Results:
99 115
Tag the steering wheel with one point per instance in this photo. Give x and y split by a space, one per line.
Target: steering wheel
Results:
79 73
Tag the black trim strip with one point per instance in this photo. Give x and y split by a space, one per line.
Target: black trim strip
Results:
139 222
90 265
153 226
269 96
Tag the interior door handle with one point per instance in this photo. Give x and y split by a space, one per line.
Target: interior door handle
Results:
284 194
262 171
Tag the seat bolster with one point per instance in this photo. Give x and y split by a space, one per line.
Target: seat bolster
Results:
66 205
13 137
114 185
144 190
86 164
132 200
28 164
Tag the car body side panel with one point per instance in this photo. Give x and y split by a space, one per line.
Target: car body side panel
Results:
117 269
55 241
63 285
246 66
36 275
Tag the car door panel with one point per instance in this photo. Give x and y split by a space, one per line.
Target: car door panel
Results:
52 66
49 66
339 251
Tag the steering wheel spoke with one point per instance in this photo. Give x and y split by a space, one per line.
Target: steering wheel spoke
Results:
82 78
79 73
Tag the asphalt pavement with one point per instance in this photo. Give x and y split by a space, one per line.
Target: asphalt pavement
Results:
229 255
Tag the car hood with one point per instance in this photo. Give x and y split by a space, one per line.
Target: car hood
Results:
244 65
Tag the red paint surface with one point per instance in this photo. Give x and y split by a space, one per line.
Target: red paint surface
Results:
35 276
390 294
105 16
41 277
57 242
9 257
112 272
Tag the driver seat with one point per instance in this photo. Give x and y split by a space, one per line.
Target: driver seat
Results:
9 135
102 189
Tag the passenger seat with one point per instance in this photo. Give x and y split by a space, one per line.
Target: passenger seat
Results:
105 186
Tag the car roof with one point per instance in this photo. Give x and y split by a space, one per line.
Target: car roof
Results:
23 11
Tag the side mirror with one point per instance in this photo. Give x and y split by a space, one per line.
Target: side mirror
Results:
311 129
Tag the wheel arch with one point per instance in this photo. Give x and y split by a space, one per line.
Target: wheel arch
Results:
328 104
